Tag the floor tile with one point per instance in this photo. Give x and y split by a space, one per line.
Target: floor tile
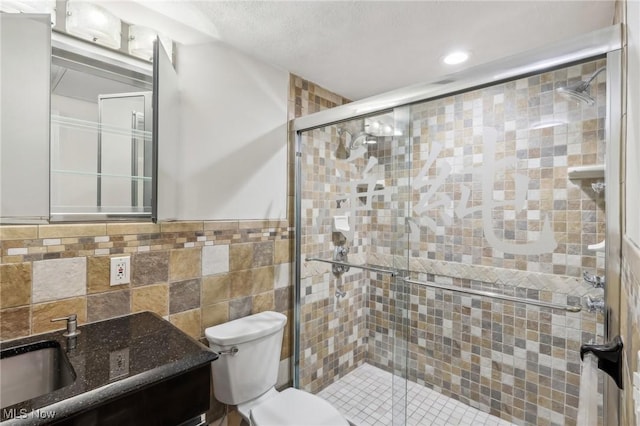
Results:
364 397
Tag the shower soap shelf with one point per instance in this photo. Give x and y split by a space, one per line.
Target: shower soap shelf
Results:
586 172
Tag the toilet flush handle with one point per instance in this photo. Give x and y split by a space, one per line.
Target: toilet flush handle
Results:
234 350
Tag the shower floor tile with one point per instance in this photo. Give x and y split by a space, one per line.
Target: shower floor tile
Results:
364 397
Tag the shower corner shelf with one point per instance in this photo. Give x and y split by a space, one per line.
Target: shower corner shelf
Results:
586 172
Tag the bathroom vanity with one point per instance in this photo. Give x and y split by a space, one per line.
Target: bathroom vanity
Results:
133 370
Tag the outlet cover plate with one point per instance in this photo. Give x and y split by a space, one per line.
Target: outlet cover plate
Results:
120 270
118 363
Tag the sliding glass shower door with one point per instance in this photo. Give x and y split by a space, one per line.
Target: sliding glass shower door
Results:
446 251
351 213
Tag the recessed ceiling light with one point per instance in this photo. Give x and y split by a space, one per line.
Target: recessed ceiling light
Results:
455 58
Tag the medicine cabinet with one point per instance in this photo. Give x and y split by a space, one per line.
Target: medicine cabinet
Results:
79 138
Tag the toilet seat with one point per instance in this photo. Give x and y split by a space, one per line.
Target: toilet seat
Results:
293 407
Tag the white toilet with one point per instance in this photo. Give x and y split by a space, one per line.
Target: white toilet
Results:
247 371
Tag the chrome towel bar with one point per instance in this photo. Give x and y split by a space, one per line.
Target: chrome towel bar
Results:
568 308
367 268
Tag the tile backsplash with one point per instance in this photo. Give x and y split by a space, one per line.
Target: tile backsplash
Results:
196 274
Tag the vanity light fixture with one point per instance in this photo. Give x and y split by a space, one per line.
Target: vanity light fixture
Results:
455 58
92 22
34 6
141 42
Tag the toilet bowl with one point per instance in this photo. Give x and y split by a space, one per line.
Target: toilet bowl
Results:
246 373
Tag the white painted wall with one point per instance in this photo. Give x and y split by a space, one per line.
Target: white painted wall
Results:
233 135
633 124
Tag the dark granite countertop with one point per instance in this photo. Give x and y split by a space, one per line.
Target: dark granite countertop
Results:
157 351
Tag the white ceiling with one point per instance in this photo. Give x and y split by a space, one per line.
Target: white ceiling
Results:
363 48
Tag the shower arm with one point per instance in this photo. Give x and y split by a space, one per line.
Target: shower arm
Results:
593 76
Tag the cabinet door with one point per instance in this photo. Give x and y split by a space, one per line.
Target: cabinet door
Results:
166 122
25 58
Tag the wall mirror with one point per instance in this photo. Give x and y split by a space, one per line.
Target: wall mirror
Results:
101 134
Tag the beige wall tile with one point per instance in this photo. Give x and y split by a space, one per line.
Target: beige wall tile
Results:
262 280
287 339
15 285
11 259
181 226
14 322
221 225
215 289
282 275
98 274
241 283
132 228
184 264
18 232
253 224
283 299
234 419
214 315
59 279
154 298
189 322
108 305
263 254
43 313
263 302
283 252
62 231
240 307
240 256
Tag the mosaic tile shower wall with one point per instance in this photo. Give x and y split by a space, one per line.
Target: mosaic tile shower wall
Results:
429 218
333 330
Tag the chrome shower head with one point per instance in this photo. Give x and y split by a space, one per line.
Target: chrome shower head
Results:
579 91
362 138
352 142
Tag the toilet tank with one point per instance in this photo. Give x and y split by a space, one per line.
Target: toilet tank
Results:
253 369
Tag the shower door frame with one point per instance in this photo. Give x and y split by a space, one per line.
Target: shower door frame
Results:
606 42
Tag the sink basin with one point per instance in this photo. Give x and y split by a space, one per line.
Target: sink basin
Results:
33 370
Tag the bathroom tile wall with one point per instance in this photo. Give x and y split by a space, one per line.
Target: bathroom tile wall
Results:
515 361
196 274
333 334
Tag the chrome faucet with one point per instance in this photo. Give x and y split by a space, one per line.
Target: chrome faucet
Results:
72 325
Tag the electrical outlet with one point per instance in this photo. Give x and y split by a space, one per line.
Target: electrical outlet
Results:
120 270
118 363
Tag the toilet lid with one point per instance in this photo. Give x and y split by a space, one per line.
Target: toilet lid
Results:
293 407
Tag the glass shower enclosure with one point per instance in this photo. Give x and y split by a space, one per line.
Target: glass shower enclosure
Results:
450 239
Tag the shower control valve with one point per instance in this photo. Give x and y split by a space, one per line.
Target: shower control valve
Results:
595 280
342 251
595 305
